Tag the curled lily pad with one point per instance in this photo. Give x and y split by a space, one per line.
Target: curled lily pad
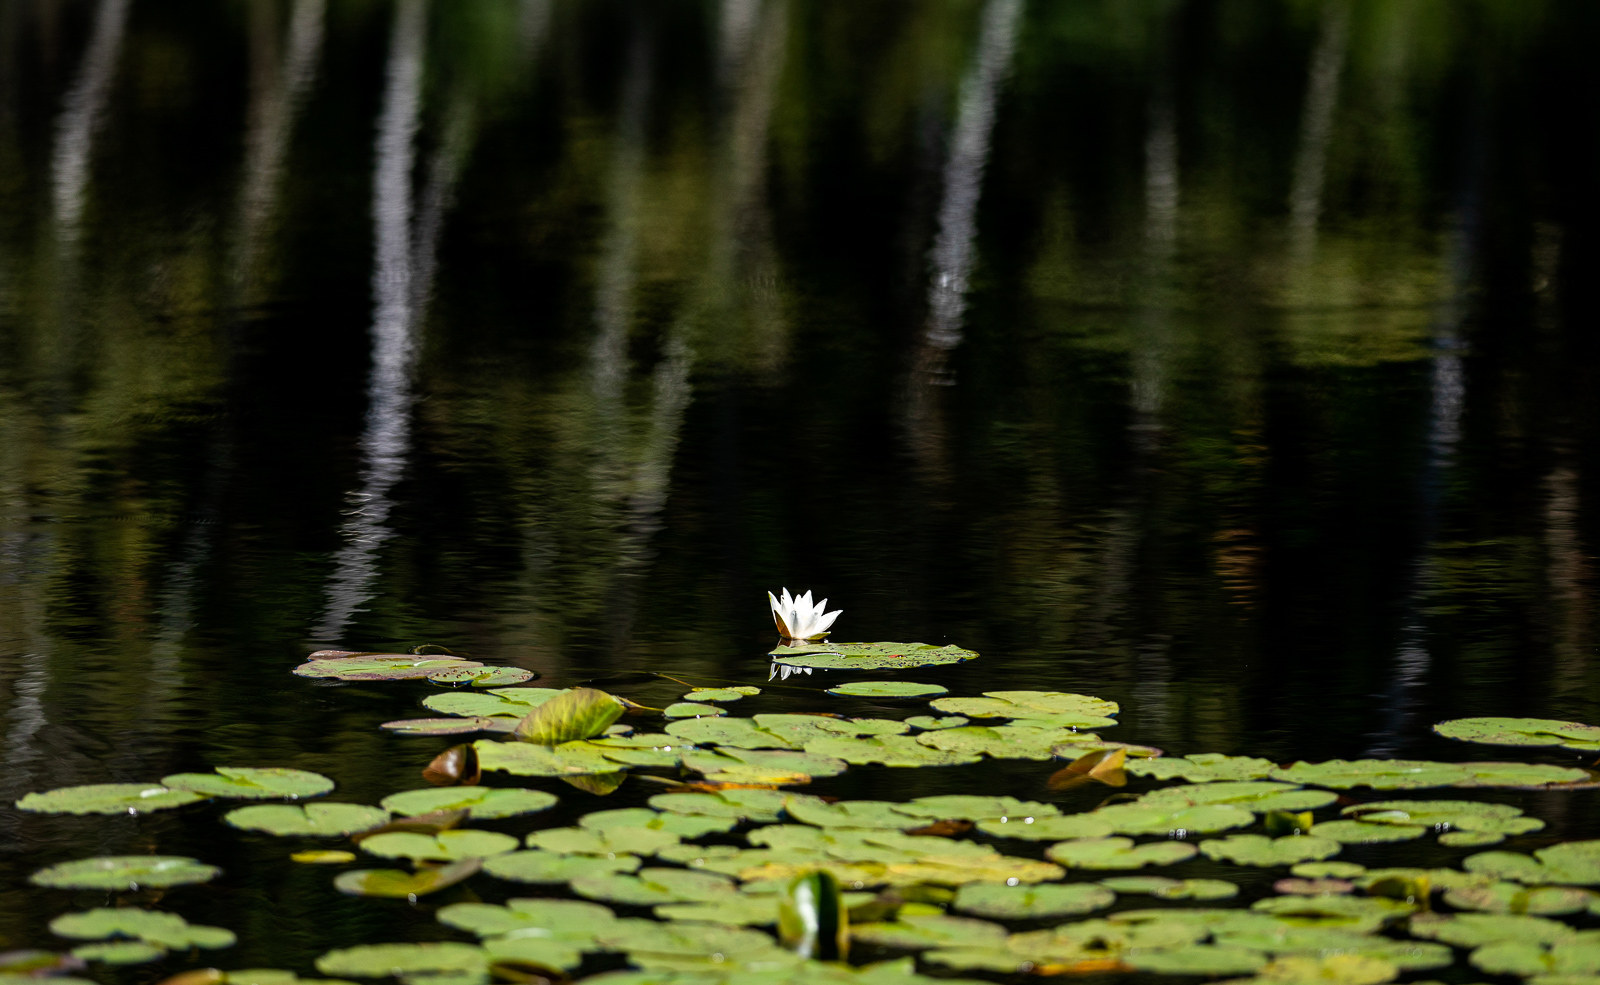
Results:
381 666
887 689
108 798
399 884
313 820
481 803
252 783
1045 709
870 656
117 873
168 931
446 846
482 676
576 713
1522 732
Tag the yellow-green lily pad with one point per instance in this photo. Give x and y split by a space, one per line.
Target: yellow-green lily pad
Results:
1203 767
693 709
1259 850
1162 887
562 919
399 884
1043 709
320 820
576 713
887 689
482 676
404 960
108 798
168 931
1118 853
480 803
381 666
446 846
870 656
539 866
1004 902
1522 732
252 783
118 873
651 886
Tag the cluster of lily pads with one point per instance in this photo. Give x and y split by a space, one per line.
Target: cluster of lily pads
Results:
682 887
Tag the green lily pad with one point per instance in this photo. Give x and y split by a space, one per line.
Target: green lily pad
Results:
499 702
576 713
560 919
1198 959
404 960
1260 796
651 886
687 946
679 825
1050 828
741 733
1478 929
888 750
1203 767
1522 732
120 952
693 709
446 846
1449 816
1006 741
542 867
1328 870
729 765
1349 832
381 666
1400 774
721 694
1361 914
312 820
118 873
614 840
1259 850
530 759
932 723
1118 853
399 884
1043 709
934 930
970 807
480 803
1510 897
1163 888
887 689
1470 839
1032 902
1334 969
745 805
168 931
1571 863
252 783
798 730
1525 958
1143 818
870 656
107 798
482 676
849 813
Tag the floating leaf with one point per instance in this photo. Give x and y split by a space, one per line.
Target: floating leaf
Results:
252 783
721 694
500 702
116 873
1361 833
693 709
120 952
1510 897
650 886
107 798
1004 902
932 723
310 820
1522 732
1056 828
1042 709
1203 767
530 759
679 825
887 689
1404 774
30 966
1118 853
1261 796
1006 741
538 866
1259 850
608 841
870 656
745 805
446 846
399 884
480 803
576 713
451 726
1174 820
1572 863
482 676
404 960
561 919
1163 888
1334 969
323 857
889 750
1198 959
1570 957
775 766
380 666
798 730
934 930
168 931
1477 929
1446 815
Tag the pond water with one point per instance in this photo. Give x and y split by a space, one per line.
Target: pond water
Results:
1230 362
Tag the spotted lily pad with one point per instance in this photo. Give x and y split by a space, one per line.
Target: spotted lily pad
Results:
117 873
870 656
313 820
1118 853
399 884
252 783
446 846
381 666
167 931
108 798
1004 902
1522 732
887 689
480 803
482 676
1045 709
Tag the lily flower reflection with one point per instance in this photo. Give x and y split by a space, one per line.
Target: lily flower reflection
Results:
800 621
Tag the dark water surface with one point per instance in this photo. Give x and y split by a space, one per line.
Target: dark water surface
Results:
1236 362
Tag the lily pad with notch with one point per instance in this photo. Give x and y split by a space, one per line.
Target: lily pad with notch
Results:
481 803
870 656
252 783
482 676
321 820
108 798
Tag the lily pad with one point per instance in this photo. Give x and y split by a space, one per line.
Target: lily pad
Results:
611 841
1403 774
679 825
1198 959
168 931
118 873
1522 732
482 676
562 919
1259 850
887 689
404 960
577 713
446 846
1051 828
252 783
1203 767
451 726
120 952
537 866
771 766
870 656
888 750
651 886
499 702
381 666
1006 741
1571 863
108 798
1163 888
530 759
312 820
1510 897
1450 816
746 805
399 884
480 803
1032 902
969 807
933 930
1350 832
693 709
721 694
1118 853
931 723
1043 709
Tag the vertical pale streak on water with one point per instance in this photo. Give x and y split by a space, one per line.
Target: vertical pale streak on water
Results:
80 114
277 98
386 440
950 260
1316 127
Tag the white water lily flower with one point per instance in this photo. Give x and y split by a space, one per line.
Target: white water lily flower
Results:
798 619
